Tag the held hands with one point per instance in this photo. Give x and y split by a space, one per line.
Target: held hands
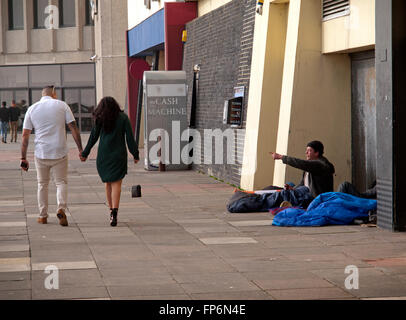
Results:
83 159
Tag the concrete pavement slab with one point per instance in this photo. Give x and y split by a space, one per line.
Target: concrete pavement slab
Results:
176 242
239 295
145 290
310 294
157 297
70 293
65 265
70 278
227 240
15 295
14 247
15 264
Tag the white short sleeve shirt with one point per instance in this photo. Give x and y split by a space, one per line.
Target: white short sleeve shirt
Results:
48 117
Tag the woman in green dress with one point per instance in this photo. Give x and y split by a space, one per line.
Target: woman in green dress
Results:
113 128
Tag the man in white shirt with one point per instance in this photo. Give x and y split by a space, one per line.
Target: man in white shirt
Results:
48 117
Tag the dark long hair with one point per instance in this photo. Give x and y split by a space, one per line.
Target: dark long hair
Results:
106 113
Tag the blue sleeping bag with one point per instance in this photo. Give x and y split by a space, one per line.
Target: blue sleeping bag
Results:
331 208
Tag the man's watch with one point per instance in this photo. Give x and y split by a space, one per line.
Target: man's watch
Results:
23 158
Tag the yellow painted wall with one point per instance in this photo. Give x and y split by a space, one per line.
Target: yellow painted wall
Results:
205 6
316 96
264 96
354 32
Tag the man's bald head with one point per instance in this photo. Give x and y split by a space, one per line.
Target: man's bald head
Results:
49 91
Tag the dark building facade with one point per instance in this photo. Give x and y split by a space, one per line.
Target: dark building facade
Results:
220 42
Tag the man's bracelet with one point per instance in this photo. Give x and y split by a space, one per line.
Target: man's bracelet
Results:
23 158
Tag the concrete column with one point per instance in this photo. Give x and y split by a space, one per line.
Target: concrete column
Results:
53 31
3 26
110 47
316 96
28 23
264 96
80 21
287 88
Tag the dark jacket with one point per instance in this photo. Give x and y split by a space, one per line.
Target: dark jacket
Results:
14 113
321 173
4 115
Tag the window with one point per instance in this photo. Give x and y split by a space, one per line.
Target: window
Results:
74 83
89 20
39 13
75 75
15 14
67 17
13 77
44 75
335 8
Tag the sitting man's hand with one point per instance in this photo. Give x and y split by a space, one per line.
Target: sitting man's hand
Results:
288 187
276 156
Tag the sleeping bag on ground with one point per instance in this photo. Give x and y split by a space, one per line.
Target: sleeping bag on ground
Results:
242 202
331 208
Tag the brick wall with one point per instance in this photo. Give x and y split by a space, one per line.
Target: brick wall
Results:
221 42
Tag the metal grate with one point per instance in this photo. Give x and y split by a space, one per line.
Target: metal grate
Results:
335 8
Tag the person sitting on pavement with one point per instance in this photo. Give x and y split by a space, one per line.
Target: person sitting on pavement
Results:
349 188
318 172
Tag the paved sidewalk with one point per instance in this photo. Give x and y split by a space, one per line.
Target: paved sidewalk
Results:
178 242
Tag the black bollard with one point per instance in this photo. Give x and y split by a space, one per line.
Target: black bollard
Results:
136 191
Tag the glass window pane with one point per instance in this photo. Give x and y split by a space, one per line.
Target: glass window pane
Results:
16 14
6 96
71 97
36 96
13 77
67 13
89 20
86 123
77 75
39 10
41 76
21 98
88 101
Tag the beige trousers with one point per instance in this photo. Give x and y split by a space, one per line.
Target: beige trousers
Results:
13 130
59 168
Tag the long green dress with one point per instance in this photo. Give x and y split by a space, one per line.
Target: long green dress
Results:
112 152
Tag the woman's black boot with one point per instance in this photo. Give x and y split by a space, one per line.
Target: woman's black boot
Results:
113 217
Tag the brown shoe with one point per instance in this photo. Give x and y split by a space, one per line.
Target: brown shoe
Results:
42 220
63 221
